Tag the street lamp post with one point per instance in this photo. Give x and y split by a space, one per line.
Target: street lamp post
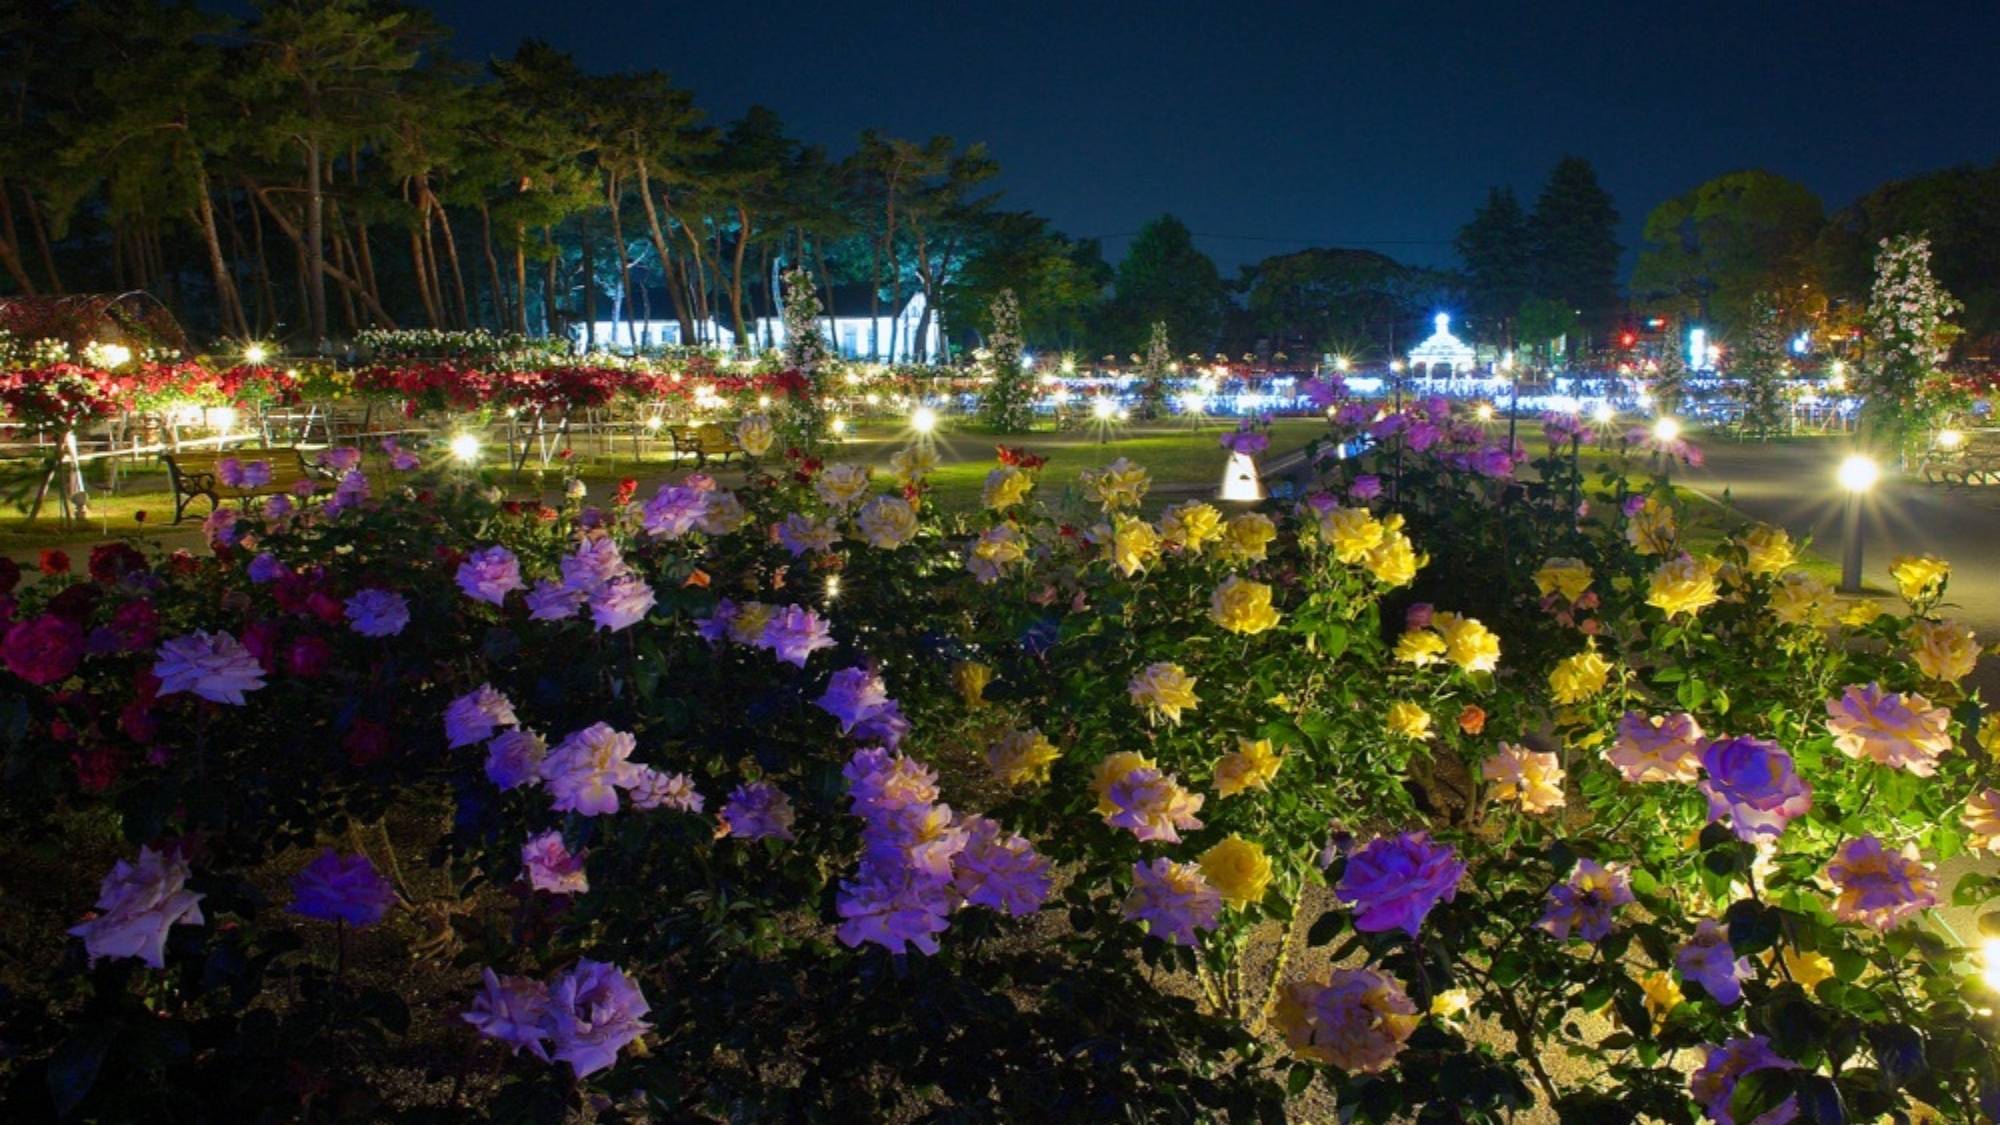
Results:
1858 474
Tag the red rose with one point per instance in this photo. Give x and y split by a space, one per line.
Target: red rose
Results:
110 562
367 742
326 607
261 638
43 650
54 562
97 767
308 656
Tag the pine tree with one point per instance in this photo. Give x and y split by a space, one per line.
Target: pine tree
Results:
1575 243
1496 249
1006 403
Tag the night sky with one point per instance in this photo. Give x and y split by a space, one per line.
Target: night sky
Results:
1288 125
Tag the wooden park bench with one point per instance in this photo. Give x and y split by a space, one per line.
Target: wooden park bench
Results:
194 473
1974 460
702 442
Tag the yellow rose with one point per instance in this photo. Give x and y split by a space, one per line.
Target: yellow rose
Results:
1860 612
1351 532
1919 578
1121 484
747 627
1467 643
1110 771
1807 968
1006 486
1799 599
1165 690
1535 779
1651 531
1989 734
1409 720
1393 561
1943 650
1239 869
1577 678
841 485
1568 577
1022 757
1251 765
754 435
1450 1004
995 548
1247 537
1191 525
970 678
1242 606
1683 585
1767 549
1663 995
1133 545
887 522
913 463
1420 647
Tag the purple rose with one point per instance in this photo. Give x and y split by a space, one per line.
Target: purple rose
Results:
1246 441
1394 881
489 575
335 888
1418 616
1366 487
1754 784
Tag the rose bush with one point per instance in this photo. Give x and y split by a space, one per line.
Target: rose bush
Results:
800 799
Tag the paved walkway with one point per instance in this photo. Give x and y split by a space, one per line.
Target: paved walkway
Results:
1791 484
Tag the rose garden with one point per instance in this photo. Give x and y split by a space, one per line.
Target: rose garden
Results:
533 722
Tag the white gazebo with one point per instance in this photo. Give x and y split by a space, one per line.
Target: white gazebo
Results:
1443 355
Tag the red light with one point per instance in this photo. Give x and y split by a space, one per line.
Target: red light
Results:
1627 339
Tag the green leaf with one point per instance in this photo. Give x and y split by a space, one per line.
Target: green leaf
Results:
73 1069
1297 1079
1326 928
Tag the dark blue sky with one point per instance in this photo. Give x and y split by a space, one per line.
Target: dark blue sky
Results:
1324 124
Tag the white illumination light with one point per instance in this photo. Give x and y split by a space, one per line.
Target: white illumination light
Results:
1239 480
837 427
1484 411
1989 962
1858 473
654 423
465 448
923 419
1666 431
1102 409
1604 413
832 586
255 354
1950 439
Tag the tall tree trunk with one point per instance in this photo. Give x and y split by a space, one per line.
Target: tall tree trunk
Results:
343 257
736 275
227 303
659 237
451 255
589 281
40 226
874 301
365 259
267 292
521 279
551 315
621 308
418 268
315 248
10 245
500 312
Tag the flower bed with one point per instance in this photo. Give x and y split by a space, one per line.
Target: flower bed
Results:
804 800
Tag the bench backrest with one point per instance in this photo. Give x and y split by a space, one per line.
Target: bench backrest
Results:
286 460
